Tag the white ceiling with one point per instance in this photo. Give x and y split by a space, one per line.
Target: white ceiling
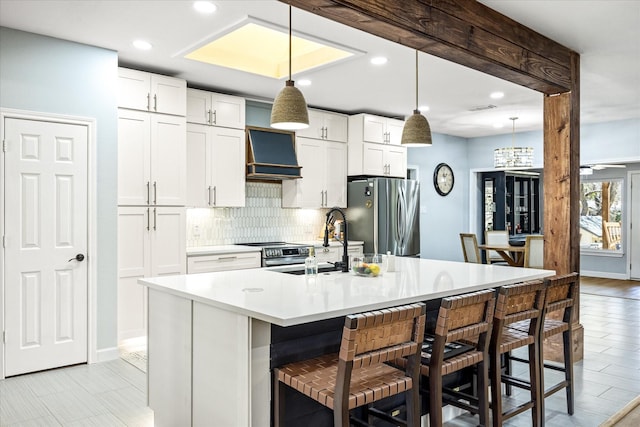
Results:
606 33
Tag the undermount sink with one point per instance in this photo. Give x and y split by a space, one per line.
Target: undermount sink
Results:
298 270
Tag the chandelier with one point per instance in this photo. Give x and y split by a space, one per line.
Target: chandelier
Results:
513 157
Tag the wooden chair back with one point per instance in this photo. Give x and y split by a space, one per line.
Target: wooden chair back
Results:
470 248
561 295
613 234
534 252
522 301
495 237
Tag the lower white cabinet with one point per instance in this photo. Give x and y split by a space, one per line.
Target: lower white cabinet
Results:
324 176
151 242
215 166
334 253
223 262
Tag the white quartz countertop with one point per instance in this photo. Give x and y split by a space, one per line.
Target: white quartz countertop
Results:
332 242
286 300
220 250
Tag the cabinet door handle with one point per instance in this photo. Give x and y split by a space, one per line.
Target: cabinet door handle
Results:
155 219
148 220
215 117
148 101
209 194
155 102
326 132
148 192
227 258
215 195
155 192
209 116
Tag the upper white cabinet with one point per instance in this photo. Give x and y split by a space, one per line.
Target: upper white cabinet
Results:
324 176
215 109
374 147
384 160
382 130
326 125
151 159
139 90
215 166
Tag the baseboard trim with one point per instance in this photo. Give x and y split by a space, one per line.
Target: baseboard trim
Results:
604 275
106 354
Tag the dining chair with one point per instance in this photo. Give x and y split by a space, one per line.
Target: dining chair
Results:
358 375
496 237
534 251
516 303
470 248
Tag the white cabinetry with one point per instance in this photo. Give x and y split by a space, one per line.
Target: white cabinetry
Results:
215 109
215 166
139 90
334 253
382 130
151 242
223 262
326 125
151 159
324 175
374 147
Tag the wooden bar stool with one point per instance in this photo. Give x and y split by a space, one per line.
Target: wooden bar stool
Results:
520 302
358 374
465 319
561 293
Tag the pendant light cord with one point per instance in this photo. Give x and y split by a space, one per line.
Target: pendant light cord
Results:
416 79
289 42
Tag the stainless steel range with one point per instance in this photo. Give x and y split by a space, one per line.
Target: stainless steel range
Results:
281 253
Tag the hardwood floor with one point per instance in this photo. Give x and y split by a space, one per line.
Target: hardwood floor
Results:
113 393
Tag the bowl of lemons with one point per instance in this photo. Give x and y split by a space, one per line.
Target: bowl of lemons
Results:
369 265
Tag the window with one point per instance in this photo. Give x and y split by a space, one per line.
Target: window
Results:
601 215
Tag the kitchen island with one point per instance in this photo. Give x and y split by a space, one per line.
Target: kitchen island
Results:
210 335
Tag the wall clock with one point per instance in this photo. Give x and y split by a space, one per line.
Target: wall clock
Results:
443 179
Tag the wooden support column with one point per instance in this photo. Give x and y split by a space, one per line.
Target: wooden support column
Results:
562 196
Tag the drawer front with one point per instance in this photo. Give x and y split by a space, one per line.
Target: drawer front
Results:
226 262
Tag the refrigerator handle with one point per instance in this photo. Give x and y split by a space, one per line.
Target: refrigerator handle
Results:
401 214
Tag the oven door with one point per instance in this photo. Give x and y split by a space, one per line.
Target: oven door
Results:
285 260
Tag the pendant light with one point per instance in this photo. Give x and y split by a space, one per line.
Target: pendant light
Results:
513 157
416 131
289 109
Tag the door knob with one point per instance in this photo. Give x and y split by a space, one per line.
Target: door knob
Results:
79 257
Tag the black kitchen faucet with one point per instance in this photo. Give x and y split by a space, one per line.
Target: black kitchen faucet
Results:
345 254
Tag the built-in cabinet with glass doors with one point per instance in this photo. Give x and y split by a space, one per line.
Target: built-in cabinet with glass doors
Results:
511 201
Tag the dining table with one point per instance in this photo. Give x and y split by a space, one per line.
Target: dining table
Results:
513 255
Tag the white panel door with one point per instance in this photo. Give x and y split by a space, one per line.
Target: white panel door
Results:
396 160
227 111
373 157
46 228
634 242
168 160
198 106
134 262
199 194
169 95
374 129
134 157
133 89
228 160
336 127
311 156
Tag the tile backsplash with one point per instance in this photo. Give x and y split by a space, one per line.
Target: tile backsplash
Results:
261 220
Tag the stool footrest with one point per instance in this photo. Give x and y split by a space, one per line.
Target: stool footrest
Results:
556 388
516 382
386 417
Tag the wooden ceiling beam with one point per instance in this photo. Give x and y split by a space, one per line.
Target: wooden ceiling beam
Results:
462 31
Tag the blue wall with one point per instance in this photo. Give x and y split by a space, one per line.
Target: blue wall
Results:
43 74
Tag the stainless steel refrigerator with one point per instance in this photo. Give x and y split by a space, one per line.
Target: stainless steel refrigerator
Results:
385 214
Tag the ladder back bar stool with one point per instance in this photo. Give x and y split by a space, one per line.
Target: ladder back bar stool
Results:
561 294
358 374
516 303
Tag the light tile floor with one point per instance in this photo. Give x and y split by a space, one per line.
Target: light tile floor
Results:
113 393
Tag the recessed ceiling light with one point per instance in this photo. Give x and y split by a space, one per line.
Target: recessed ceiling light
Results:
304 82
142 44
423 108
379 60
205 7
496 95
498 125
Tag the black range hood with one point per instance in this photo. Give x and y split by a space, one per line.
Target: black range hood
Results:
271 154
